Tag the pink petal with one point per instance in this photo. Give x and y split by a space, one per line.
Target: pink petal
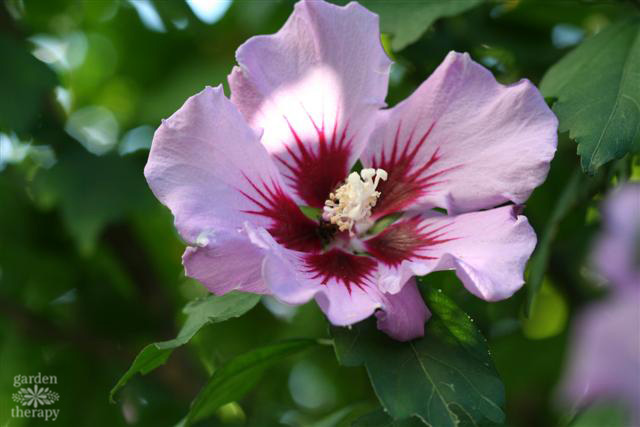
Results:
618 248
343 307
209 168
283 269
313 88
403 314
410 239
604 361
343 286
341 283
228 262
488 250
462 142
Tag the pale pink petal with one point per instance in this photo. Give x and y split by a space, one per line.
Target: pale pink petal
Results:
291 280
313 88
488 250
208 166
462 142
604 360
228 261
618 249
282 270
403 315
340 284
343 307
343 286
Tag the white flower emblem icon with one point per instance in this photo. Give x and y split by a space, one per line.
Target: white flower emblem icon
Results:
35 396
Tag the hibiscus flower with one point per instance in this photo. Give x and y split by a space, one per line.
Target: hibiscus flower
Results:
604 360
262 189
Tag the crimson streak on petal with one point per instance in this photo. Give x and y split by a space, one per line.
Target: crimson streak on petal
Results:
342 267
315 173
407 181
406 240
290 226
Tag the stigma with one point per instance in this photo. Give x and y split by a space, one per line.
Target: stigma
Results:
351 203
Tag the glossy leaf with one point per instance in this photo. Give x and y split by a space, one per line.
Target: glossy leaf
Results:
211 309
597 91
445 379
238 376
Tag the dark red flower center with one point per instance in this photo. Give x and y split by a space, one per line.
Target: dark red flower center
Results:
341 266
315 173
290 227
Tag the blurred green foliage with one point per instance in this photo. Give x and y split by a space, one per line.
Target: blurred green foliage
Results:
90 267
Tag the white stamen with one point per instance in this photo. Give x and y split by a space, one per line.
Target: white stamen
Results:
352 202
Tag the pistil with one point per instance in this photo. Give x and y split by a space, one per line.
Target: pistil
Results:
352 202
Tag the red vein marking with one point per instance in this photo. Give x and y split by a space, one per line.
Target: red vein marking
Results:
407 182
407 240
290 227
343 267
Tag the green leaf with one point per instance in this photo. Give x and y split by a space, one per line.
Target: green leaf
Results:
446 378
24 85
211 309
380 418
237 377
408 20
597 87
